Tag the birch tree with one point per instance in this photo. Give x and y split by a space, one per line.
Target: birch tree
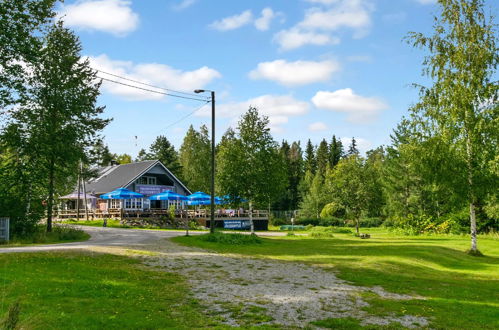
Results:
462 60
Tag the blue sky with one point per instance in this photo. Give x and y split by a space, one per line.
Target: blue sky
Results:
315 67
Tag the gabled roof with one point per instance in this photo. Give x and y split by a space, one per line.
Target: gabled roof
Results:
117 176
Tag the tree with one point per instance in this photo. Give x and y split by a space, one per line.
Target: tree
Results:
195 154
61 120
21 24
123 159
322 157
352 149
310 160
143 155
100 154
315 199
346 184
165 152
335 151
462 62
249 165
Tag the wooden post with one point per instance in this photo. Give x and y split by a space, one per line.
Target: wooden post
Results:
78 198
84 191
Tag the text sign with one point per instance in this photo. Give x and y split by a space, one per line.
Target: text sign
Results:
4 229
150 190
237 224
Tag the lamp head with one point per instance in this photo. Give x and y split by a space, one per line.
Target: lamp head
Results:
197 91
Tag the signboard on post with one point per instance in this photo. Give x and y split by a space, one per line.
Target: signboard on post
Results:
237 224
4 229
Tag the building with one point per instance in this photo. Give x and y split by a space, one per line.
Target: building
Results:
148 178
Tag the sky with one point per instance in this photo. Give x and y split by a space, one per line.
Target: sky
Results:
316 68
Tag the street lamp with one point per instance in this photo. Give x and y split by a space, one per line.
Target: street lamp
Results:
212 209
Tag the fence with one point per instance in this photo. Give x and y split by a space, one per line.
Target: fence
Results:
4 229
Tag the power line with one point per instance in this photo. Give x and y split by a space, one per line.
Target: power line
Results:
145 84
186 116
153 91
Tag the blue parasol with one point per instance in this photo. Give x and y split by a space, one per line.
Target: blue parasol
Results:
121 193
168 196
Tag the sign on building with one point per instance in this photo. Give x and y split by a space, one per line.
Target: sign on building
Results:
237 224
4 229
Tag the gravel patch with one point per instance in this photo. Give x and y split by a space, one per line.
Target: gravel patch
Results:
247 291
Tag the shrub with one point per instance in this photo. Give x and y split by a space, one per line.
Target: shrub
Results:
322 232
231 239
279 221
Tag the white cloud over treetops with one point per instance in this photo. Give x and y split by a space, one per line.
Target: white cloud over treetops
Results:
261 23
277 107
233 22
363 145
359 109
317 127
319 23
295 73
150 73
111 16
184 4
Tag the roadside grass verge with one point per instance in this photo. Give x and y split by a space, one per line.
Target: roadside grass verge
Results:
461 291
83 290
231 238
115 223
59 234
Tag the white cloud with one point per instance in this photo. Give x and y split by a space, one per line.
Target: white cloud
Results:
233 22
277 107
150 73
112 16
359 109
295 73
317 127
296 38
363 145
319 22
184 4
427 2
263 23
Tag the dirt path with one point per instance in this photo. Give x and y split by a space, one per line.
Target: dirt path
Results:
248 291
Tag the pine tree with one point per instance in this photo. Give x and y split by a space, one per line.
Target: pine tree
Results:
335 151
322 157
165 152
310 160
352 149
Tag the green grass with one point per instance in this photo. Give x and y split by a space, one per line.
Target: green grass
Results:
231 238
115 223
462 291
95 291
59 234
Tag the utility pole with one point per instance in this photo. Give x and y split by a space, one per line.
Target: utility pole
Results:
212 197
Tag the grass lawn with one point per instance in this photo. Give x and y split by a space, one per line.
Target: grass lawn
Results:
83 290
462 291
59 234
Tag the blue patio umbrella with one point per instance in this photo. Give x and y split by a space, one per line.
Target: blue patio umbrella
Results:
168 196
121 193
199 196
218 201
228 199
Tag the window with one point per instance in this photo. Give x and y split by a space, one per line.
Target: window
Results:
150 180
135 203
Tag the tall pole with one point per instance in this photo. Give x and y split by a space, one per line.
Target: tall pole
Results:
78 195
212 215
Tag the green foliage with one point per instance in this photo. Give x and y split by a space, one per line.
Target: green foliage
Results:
231 239
59 234
249 164
321 232
195 155
165 152
124 159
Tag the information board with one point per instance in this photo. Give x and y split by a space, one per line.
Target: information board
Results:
237 224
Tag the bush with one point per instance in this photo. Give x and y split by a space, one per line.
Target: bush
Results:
231 239
278 221
322 232
59 234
